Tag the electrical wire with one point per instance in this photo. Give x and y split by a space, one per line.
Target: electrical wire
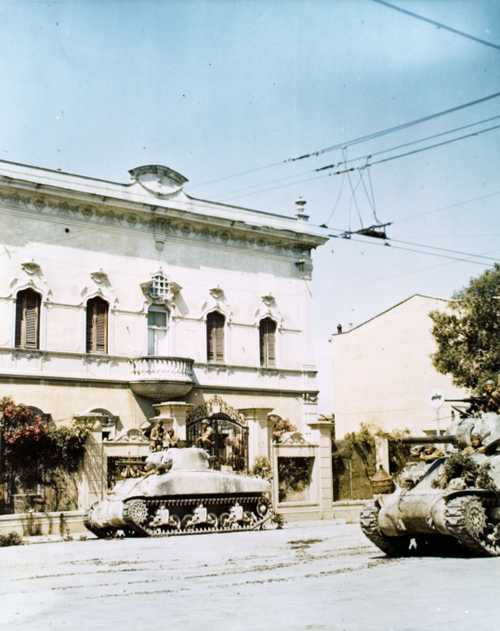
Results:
355 141
391 130
415 151
433 247
409 143
416 251
412 216
255 191
440 25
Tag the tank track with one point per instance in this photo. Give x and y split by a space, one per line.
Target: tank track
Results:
466 520
138 511
392 546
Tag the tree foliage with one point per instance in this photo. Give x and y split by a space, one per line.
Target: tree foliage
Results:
34 446
468 336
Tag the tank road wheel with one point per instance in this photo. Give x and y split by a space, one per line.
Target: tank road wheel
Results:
136 511
467 521
392 546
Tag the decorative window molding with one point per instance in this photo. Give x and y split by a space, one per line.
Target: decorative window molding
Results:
268 309
31 267
160 290
217 302
100 277
100 288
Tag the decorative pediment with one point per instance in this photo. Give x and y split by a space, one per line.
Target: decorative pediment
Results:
99 287
268 309
100 277
158 180
31 267
217 293
30 277
217 302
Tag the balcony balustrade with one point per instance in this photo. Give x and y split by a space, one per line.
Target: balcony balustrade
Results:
162 378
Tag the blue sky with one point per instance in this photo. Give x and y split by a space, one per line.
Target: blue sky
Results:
215 88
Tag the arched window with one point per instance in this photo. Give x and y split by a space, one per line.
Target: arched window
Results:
97 325
215 336
158 318
267 340
28 319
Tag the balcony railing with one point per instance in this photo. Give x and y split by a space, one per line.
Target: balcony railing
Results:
159 377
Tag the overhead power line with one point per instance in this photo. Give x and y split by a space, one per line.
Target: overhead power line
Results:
408 144
390 130
412 216
341 171
357 140
414 151
445 27
416 251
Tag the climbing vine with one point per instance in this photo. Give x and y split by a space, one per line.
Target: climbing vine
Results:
36 451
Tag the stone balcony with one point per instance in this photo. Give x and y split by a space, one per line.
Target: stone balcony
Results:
162 378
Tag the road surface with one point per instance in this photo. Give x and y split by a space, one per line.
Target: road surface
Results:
308 576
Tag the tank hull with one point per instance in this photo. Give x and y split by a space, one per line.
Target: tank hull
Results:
188 499
438 510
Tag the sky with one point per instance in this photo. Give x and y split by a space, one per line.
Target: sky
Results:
214 89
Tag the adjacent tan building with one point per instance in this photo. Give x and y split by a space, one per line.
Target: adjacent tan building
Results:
383 372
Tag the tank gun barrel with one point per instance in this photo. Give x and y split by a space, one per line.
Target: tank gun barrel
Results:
428 440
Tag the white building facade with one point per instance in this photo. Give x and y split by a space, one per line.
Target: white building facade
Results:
131 302
383 372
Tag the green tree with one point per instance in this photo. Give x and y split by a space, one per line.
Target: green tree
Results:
468 337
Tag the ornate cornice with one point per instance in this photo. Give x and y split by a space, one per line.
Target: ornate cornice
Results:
148 219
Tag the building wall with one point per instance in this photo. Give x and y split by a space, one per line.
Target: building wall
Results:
383 371
70 241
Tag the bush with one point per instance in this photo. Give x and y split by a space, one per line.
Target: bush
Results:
11 539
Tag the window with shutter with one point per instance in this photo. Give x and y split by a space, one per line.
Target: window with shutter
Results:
28 319
215 336
97 326
267 339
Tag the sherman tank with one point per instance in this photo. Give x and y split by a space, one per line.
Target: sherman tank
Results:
449 497
180 494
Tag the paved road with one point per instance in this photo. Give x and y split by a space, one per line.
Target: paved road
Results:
306 577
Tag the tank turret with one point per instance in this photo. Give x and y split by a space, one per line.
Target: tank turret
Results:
180 494
448 493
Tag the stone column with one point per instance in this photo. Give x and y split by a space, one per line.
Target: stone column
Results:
259 443
95 471
174 414
321 434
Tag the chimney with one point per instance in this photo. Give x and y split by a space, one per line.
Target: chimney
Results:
300 214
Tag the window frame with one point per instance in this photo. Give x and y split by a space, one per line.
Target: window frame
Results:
20 332
91 329
216 348
267 359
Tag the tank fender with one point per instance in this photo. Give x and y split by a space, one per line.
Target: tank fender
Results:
437 518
